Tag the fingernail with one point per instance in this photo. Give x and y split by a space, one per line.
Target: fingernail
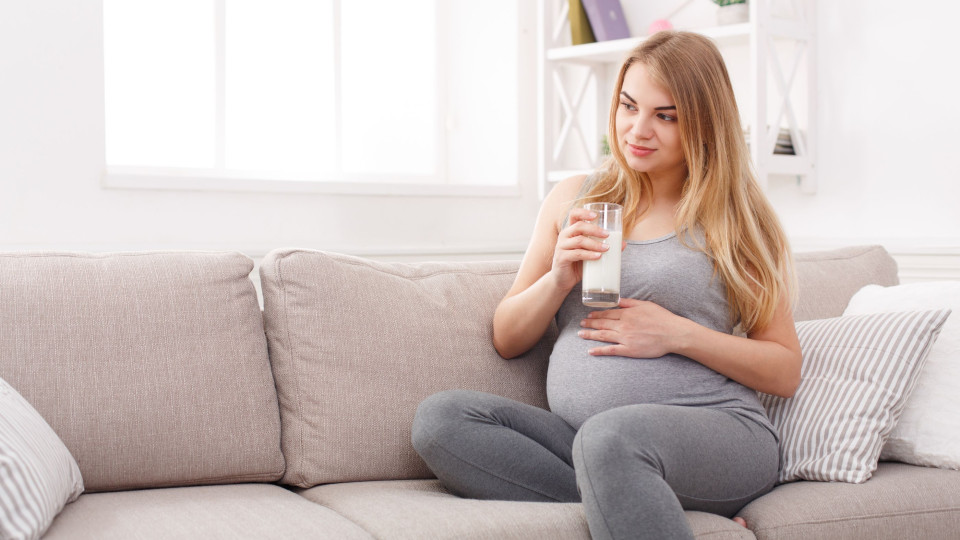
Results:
592 215
581 333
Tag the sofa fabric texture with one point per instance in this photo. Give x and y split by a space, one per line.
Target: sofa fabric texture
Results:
225 512
417 509
359 344
900 501
152 367
827 279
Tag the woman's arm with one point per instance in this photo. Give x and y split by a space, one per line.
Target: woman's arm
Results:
767 360
549 271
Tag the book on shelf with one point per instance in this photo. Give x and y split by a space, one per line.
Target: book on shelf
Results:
580 30
784 144
606 19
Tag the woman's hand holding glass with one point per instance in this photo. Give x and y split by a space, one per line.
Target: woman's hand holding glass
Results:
579 241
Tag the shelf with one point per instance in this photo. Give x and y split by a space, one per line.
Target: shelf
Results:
614 50
788 164
575 80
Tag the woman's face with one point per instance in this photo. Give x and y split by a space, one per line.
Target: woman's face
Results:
647 129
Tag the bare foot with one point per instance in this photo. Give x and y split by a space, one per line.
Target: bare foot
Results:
742 522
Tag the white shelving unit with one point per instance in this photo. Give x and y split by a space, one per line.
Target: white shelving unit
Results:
565 98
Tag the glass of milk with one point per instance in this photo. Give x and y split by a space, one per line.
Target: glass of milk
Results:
601 277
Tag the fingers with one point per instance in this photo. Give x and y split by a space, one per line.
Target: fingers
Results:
613 314
582 240
580 222
582 243
585 229
581 214
609 350
608 336
599 324
630 302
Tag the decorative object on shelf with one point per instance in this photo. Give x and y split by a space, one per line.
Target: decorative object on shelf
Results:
784 144
606 19
732 11
580 31
659 25
664 23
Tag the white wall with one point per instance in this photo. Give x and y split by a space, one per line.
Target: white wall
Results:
888 121
888 117
52 160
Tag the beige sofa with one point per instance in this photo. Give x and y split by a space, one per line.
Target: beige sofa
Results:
194 414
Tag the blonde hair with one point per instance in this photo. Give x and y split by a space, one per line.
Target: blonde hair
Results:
720 197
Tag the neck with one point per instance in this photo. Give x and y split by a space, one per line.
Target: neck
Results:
667 187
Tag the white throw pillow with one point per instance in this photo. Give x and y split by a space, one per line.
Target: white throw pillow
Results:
857 374
38 476
928 432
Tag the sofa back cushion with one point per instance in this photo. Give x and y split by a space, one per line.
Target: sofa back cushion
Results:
356 345
151 367
828 279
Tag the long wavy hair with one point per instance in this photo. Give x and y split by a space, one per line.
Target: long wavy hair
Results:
721 197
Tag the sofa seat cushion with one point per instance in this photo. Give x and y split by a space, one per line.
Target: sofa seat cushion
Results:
255 511
152 367
898 502
422 509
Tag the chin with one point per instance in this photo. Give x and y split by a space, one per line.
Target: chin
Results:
640 165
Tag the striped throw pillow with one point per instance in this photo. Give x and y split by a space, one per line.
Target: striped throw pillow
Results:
857 374
38 476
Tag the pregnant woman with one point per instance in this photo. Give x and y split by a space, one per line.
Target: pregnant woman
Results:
653 404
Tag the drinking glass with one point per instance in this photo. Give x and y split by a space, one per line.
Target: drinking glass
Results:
601 277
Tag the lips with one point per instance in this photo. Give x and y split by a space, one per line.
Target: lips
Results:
640 151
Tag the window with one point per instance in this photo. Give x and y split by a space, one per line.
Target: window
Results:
345 91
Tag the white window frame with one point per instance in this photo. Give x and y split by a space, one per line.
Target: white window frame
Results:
221 179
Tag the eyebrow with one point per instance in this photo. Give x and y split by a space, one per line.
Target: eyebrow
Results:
664 108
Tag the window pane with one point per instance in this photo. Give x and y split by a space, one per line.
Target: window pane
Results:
482 86
389 87
159 82
280 86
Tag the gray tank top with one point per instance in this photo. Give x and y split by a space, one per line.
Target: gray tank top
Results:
679 279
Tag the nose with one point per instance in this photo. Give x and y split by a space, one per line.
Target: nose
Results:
642 127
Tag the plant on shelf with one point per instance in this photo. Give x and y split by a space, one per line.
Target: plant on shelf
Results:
732 11
604 147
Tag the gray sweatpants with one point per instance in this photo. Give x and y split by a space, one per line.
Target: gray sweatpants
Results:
637 467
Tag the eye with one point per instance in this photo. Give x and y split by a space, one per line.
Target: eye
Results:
666 117
628 106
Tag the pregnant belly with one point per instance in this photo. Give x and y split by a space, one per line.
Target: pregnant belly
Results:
580 385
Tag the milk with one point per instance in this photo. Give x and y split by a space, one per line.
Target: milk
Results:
601 277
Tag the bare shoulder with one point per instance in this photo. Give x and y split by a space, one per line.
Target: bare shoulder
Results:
557 203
